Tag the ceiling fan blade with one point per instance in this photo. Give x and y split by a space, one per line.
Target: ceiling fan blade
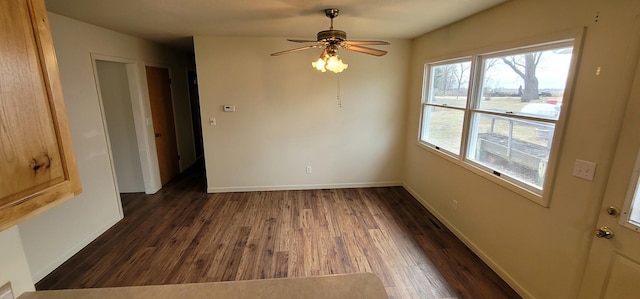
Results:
294 50
302 41
366 42
365 50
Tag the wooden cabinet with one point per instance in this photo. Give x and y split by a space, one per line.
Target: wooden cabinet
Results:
37 163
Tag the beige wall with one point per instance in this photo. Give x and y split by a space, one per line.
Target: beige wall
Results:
52 237
287 116
540 251
13 262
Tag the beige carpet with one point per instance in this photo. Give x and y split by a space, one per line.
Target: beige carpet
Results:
354 286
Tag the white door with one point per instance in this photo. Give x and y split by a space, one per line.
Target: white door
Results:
613 268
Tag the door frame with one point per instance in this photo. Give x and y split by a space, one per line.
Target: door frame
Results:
141 118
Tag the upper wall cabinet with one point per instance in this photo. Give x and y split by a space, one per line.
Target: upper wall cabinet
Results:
37 163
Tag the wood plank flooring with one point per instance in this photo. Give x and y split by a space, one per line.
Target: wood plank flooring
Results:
183 235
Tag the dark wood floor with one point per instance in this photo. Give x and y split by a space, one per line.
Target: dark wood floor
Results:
183 235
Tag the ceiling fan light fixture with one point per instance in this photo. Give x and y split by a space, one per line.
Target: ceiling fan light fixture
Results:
320 64
335 64
329 62
331 40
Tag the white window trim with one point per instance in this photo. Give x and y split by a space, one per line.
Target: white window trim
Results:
631 193
574 37
424 103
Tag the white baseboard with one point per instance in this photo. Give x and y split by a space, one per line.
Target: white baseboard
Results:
73 250
131 190
301 187
152 190
469 243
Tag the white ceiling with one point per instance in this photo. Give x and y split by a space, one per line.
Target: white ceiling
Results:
176 21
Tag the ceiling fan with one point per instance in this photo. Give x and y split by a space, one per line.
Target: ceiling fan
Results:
331 40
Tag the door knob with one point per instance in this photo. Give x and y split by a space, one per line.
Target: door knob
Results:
613 211
604 232
158 135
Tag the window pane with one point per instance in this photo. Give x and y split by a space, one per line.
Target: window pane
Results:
449 84
529 83
514 147
632 202
442 127
634 215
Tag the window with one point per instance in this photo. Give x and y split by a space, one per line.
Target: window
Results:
446 104
498 112
631 212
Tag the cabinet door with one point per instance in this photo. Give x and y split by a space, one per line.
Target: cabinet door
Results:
36 157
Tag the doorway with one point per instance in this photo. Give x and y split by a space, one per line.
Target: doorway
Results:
194 99
115 93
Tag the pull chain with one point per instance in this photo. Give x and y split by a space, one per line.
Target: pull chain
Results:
338 91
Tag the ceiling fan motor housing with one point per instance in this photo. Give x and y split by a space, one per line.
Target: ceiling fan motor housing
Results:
333 39
332 35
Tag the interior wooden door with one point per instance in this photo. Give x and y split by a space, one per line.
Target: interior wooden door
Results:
613 268
159 84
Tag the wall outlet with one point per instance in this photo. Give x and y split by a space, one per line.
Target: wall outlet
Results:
454 205
6 292
309 170
584 169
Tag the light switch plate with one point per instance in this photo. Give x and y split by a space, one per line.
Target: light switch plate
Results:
584 169
229 108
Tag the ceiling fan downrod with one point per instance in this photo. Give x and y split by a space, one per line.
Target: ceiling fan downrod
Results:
331 35
331 13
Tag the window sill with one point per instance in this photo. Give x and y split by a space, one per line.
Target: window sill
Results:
536 198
